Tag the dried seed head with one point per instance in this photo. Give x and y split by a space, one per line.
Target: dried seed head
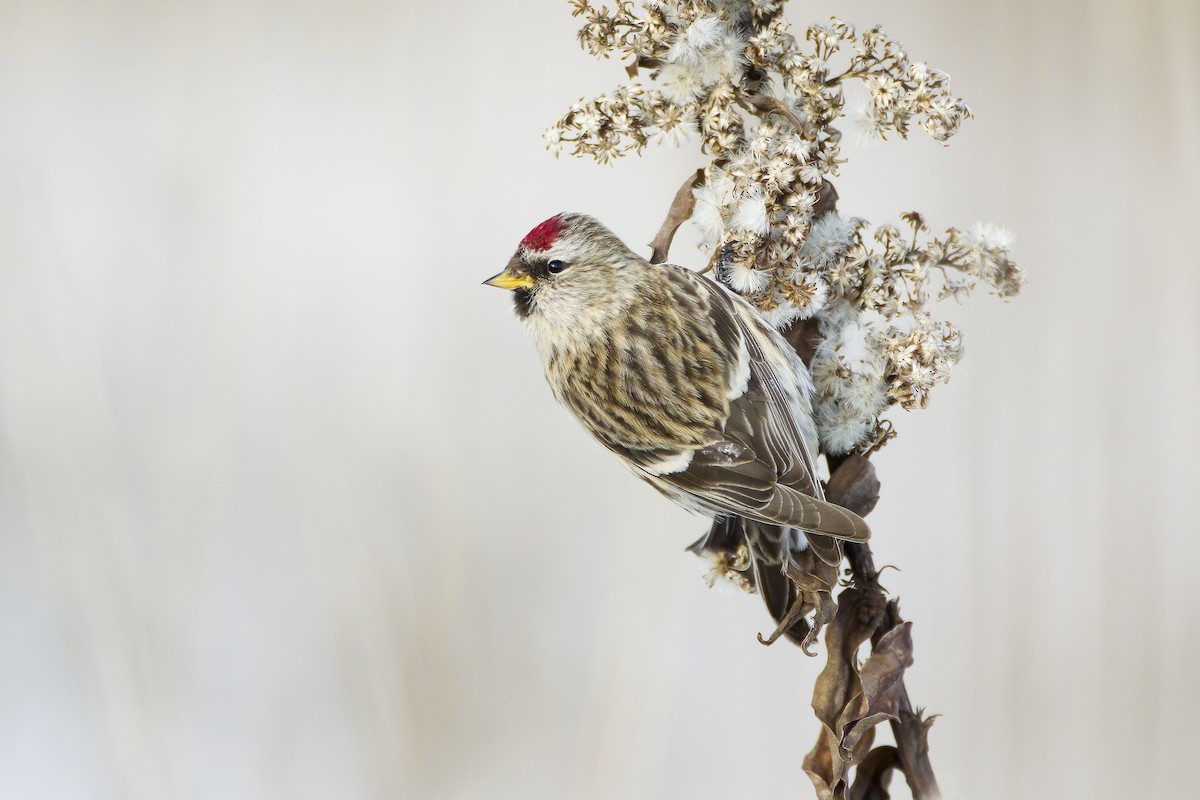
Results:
769 108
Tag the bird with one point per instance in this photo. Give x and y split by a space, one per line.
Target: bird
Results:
687 384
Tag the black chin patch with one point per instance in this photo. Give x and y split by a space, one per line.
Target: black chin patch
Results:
523 302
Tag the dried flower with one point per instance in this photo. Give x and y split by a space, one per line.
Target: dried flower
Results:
745 278
751 214
723 568
769 108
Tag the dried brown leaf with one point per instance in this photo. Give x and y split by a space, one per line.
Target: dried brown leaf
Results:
873 774
854 485
803 335
912 737
859 613
881 677
838 688
827 198
822 770
680 211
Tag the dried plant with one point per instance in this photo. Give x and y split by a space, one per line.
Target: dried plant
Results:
767 108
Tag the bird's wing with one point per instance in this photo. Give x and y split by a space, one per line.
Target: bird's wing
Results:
761 466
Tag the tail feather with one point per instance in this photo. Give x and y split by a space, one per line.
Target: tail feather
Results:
779 595
826 548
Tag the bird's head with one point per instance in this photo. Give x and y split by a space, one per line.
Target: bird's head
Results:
569 270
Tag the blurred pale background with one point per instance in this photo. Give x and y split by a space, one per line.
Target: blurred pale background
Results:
286 510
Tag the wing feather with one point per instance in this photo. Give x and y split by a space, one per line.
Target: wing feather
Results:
761 467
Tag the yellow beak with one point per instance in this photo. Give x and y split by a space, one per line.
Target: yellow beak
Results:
509 280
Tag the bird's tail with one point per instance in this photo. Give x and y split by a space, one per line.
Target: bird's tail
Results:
794 574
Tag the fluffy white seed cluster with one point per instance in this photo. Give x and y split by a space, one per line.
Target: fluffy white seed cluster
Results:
768 109
724 569
879 345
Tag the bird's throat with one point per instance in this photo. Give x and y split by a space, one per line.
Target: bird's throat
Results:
523 302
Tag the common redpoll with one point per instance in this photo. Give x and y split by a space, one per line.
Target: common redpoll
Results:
685 382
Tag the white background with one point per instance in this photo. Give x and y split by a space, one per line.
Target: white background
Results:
286 509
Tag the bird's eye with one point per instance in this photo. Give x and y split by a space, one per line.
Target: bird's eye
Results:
556 266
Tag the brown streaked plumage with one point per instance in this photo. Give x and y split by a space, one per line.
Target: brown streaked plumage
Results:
656 382
683 380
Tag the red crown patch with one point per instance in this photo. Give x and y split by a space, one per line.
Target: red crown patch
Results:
543 236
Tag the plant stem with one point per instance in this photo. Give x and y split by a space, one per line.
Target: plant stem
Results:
911 729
